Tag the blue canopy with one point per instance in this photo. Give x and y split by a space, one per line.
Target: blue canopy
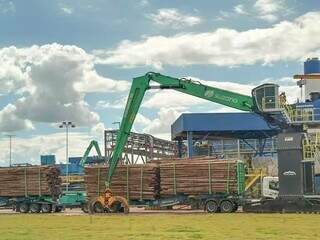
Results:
225 125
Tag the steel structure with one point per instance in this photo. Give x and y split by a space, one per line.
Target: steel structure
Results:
140 148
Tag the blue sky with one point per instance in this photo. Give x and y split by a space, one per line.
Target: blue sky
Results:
75 59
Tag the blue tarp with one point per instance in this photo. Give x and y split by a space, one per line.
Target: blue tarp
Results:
233 125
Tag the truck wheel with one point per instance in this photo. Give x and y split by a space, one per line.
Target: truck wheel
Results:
58 209
235 207
211 206
226 206
85 207
35 208
97 207
24 207
46 208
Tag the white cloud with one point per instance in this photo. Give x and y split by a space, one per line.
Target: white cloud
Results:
144 3
28 150
52 80
162 124
269 9
173 18
10 122
224 47
67 10
240 9
171 98
93 82
142 120
7 7
97 131
116 104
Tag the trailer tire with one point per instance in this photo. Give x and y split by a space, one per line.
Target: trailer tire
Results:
97 207
58 209
226 206
235 208
85 207
35 208
211 206
46 208
24 207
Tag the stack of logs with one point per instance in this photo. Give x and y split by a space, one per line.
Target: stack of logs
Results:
29 181
198 177
165 178
135 182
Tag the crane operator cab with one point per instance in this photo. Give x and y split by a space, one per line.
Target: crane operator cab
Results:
266 98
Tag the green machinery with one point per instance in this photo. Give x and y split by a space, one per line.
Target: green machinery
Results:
266 93
227 98
75 199
93 144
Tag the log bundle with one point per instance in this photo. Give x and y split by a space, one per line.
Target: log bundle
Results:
198 177
29 181
134 182
165 178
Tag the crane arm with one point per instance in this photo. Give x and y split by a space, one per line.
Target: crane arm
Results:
92 144
141 84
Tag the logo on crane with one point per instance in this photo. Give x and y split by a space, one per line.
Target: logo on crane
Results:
209 93
289 173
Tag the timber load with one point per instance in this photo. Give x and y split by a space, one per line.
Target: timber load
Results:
168 178
203 176
134 182
30 181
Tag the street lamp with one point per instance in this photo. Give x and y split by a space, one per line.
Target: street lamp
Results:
117 123
10 148
67 125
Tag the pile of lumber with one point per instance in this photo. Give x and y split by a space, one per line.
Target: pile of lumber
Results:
29 181
198 176
134 182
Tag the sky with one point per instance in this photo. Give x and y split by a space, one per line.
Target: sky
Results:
75 60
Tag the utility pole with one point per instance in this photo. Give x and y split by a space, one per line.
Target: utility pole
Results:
67 125
10 148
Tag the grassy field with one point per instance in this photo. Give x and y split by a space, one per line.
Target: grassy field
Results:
160 226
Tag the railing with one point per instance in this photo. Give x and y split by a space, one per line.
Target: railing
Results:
253 175
237 147
292 114
311 147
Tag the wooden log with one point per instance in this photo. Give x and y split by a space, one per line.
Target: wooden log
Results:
29 181
197 176
130 181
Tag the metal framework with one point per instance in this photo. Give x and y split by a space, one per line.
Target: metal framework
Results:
238 148
140 148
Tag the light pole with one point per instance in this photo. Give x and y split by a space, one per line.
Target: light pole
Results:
117 123
67 125
10 148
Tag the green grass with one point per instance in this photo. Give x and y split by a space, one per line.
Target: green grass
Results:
160 226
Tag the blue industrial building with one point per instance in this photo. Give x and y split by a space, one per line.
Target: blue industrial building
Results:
209 126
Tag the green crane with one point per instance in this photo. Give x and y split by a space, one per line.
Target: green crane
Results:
227 98
92 144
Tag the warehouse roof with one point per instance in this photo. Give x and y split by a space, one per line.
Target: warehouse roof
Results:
222 125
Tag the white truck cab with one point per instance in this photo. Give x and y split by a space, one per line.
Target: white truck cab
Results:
270 187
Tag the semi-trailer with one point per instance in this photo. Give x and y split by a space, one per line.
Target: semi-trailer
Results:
45 203
36 189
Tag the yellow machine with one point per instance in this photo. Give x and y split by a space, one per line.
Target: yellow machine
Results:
108 203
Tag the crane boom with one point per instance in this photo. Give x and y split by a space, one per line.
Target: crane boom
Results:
92 144
141 84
